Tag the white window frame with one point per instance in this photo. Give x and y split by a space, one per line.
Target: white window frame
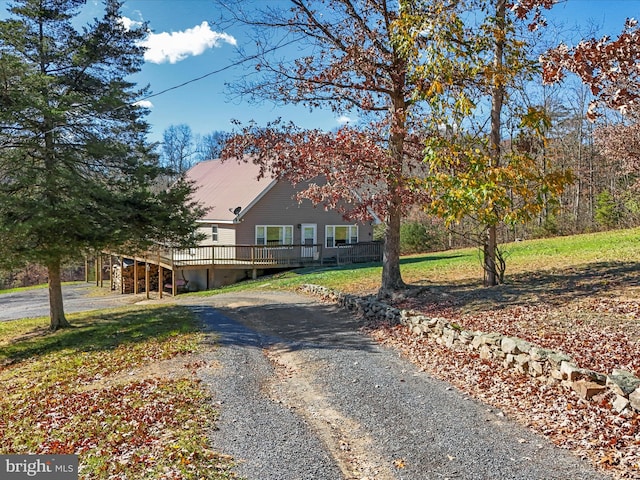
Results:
285 236
330 235
214 233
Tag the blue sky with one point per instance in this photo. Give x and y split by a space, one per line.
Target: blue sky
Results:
193 49
205 105
184 45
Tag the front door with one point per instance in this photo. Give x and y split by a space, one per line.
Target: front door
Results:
308 240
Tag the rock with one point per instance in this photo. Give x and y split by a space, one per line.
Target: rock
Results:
586 389
430 322
493 338
485 352
620 404
555 374
449 336
593 376
521 363
622 382
509 345
499 354
556 358
465 337
514 345
486 339
569 371
539 354
536 368
509 360
572 372
634 399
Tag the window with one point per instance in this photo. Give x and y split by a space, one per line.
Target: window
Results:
274 234
337 235
214 233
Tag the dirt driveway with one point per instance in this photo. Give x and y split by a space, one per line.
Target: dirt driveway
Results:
304 395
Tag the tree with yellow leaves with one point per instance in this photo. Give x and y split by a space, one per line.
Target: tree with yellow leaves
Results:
473 172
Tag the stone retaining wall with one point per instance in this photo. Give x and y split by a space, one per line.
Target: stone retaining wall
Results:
542 364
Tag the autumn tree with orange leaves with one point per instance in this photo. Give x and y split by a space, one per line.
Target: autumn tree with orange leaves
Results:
611 69
347 61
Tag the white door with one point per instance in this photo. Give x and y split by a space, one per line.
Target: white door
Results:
309 239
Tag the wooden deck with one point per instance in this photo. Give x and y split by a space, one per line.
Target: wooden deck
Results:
277 256
249 257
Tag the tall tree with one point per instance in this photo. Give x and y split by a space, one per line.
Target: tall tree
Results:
178 148
76 172
209 146
473 173
345 60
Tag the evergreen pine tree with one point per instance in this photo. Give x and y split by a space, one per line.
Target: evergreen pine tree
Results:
76 170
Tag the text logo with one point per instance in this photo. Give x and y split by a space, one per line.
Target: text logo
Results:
40 467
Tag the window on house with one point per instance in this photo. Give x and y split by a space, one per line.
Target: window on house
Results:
337 235
214 233
274 234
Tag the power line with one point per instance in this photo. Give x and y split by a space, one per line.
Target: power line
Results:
226 67
196 79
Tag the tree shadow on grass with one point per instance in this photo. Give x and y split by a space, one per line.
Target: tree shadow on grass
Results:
430 258
97 331
552 287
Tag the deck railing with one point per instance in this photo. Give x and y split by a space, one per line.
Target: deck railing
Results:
271 255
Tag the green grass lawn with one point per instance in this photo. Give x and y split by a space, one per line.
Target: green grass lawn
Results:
464 265
116 388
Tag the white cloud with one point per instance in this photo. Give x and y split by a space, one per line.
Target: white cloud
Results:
175 46
128 23
144 104
344 120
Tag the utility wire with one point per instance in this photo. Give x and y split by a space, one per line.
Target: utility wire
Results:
226 67
196 79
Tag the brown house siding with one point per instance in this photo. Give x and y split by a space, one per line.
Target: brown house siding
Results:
279 207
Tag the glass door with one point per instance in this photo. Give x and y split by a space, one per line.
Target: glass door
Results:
309 239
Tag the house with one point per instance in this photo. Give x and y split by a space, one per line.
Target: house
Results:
253 226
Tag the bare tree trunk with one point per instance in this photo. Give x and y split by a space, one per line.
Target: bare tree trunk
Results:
56 308
391 276
497 99
491 246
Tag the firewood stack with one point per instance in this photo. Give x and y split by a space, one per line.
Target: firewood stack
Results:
123 278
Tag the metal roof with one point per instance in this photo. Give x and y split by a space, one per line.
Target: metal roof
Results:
222 187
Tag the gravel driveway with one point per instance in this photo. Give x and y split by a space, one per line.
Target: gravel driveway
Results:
303 395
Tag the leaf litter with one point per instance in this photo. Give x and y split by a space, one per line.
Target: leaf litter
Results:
595 321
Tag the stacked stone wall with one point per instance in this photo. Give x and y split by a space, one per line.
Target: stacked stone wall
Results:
542 364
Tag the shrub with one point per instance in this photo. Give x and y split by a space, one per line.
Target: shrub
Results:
417 237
